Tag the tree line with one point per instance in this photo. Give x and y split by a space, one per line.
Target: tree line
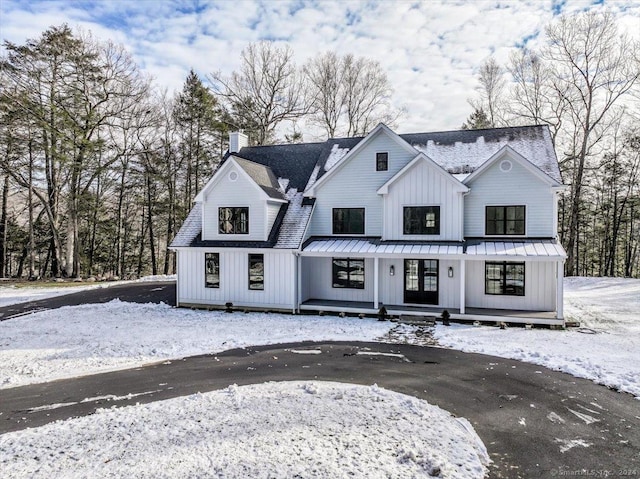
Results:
99 167
584 83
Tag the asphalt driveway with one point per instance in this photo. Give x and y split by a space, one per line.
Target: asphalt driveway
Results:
535 423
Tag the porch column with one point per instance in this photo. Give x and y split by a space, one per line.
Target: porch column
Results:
559 289
376 270
462 286
298 282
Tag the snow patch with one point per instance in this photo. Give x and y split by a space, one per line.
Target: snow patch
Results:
585 417
567 444
555 418
389 355
610 306
335 156
79 340
291 429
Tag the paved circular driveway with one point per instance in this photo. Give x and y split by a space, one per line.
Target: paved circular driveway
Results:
533 421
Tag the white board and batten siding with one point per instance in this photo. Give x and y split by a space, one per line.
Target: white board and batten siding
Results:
421 185
510 188
279 279
355 185
539 288
392 287
318 281
239 193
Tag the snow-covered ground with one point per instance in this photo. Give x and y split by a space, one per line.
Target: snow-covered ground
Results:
77 340
288 429
605 349
92 338
23 293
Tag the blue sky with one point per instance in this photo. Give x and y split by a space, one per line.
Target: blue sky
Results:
431 50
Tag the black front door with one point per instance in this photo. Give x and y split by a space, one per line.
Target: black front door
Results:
421 281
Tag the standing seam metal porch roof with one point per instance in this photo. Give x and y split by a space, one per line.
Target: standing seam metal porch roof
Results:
366 246
540 249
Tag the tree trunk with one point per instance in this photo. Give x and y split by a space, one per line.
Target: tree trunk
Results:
3 228
154 265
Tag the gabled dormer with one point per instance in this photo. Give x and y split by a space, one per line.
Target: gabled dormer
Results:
511 198
347 202
423 202
240 202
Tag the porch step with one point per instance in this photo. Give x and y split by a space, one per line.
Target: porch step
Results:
417 320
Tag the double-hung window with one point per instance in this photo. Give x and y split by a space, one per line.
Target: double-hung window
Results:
421 220
256 271
348 221
233 220
505 220
382 161
348 273
212 270
504 278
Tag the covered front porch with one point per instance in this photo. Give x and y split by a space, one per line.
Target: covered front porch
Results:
518 282
470 314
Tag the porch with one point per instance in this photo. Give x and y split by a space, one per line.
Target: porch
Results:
470 314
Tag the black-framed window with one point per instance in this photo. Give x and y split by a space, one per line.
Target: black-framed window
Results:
256 271
348 221
504 278
212 270
382 161
421 220
348 273
233 220
505 220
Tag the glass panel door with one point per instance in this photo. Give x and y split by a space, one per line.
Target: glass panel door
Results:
421 281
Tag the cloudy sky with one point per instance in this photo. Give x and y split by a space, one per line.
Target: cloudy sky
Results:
431 49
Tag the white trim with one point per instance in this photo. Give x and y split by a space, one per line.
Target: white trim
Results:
510 237
375 163
381 128
419 237
384 189
376 282
222 173
513 155
560 290
463 286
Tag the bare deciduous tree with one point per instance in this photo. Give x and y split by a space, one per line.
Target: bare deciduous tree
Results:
350 95
591 68
267 90
491 89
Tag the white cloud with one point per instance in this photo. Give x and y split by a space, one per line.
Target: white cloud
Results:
430 50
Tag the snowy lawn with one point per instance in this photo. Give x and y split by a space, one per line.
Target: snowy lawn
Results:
288 429
25 292
91 338
606 348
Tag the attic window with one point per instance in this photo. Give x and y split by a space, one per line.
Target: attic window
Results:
382 161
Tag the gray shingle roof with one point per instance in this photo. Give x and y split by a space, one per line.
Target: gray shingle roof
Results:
263 176
191 228
294 162
295 221
464 151
461 151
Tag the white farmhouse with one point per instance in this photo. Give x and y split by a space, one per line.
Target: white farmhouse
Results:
460 220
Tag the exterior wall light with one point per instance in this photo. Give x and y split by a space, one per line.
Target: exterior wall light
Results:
392 270
450 272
